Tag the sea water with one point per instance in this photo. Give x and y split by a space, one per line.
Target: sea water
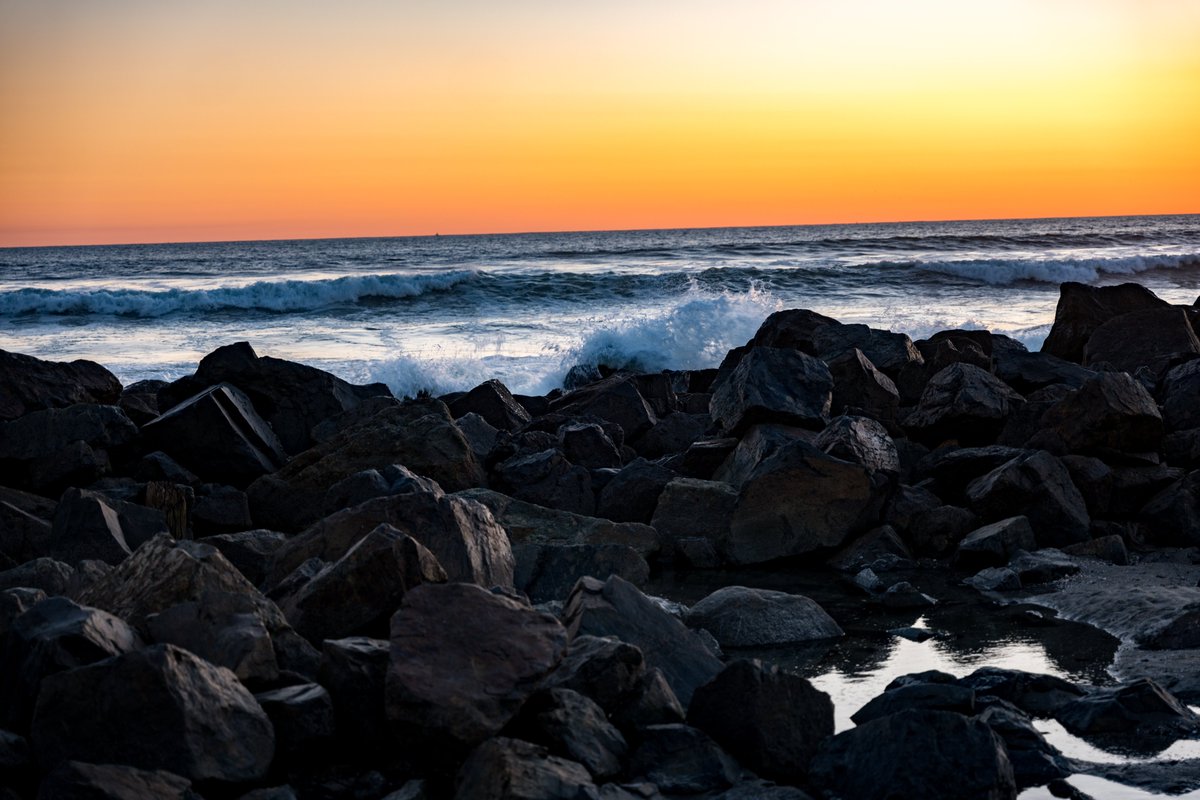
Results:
446 312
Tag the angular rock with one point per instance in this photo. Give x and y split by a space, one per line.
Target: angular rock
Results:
1036 486
1156 338
879 548
1042 566
549 572
604 669
1036 695
758 445
995 579
218 435
206 725
492 401
1110 548
772 721
1172 516
1027 372
617 608
547 479
860 441
221 509
1035 761
481 437
50 576
916 753
792 328
510 769
930 696
953 468
632 494
773 385
690 508
587 445
50 449
860 388
681 759
614 399
15 602
739 616
354 671
890 352
140 400
249 551
224 629
674 433
1109 413
302 716
439 691
1141 706
29 384
573 727
24 525
371 483
1082 309
1180 392
962 402
74 779
994 544
937 531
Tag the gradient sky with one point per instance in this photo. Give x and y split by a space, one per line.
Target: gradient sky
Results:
165 120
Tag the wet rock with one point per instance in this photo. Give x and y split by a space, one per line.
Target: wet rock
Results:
771 721
617 608
492 401
792 328
879 549
615 399
962 402
29 384
206 725
860 441
549 572
1036 486
357 594
1035 761
438 692
916 753
674 433
302 716
930 696
50 576
547 479
604 669
1082 309
418 434
1110 548
860 388
995 579
993 545
1109 413
222 509
510 769
1142 706
74 779
573 727
1027 372
354 672
292 397
52 636
890 352
224 629
633 493
739 616
683 760
903 596
1036 695
1172 517
249 551
57 447
587 445
773 385
1156 338
1042 566
937 531
691 509
461 534
480 436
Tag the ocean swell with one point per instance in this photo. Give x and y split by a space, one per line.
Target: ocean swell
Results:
1002 272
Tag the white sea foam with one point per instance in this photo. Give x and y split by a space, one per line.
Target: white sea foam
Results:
287 295
1001 272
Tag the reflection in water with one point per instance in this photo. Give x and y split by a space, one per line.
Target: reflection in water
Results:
1101 789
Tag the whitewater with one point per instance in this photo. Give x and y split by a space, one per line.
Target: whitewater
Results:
446 312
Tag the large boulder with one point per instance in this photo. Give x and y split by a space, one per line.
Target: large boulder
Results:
223 628
292 397
53 448
74 779
994 544
1142 706
689 508
573 726
791 328
917 695
30 384
1027 372
613 399
512 769
549 572
89 525
773 385
218 435
739 616
680 759
1156 338
1110 413
936 755
962 402
205 725
1172 517
890 352
494 402
52 577
1082 309
418 434
548 479
770 720
354 672
462 534
860 440
302 716
616 608
1037 486
860 388
24 525
463 661
1036 694
632 494
1180 392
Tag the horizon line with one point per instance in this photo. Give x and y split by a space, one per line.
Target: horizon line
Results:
590 230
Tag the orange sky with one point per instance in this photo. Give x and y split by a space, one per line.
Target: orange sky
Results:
132 120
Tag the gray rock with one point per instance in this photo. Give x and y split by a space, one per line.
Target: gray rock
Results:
773 385
614 399
1042 566
492 401
995 579
1036 695
743 617
223 628
1141 707
354 671
683 760
860 388
52 577
549 572
510 769
633 493
548 479
932 696
994 544
1039 487
689 508
74 779
1110 413
29 384
1082 309
573 727
249 551
962 402
1156 338
302 716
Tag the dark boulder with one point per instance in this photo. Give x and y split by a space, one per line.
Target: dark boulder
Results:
674 433
30 384
993 545
439 692
773 385
1035 694
770 720
1110 413
302 716
573 727
929 696
1082 309
1027 372
354 672
633 493
50 576
605 669
24 525
587 445
860 440
680 759
492 401
615 399
952 468
1172 517
16 601
205 725
963 403
1157 339
140 400
549 572
224 629
1180 393
1141 707
890 352
1035 761
690 509
51 449
74 780
860 388
792 328
249 551
1039 487
548 479
511 769
1042 566
738 616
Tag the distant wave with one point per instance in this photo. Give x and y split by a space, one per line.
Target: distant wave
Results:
1002 272
276 296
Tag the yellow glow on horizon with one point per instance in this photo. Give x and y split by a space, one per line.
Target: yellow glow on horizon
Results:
139 121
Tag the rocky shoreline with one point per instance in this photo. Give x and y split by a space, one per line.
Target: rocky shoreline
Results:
260 581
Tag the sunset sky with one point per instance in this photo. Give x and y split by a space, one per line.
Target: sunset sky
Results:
163 120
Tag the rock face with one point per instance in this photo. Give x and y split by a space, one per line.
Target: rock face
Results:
1157 338
219 436
773 385
439 692
418 434
1082 309
860 440
1109 413
916 753
993 545
205 725
492 401
88 525
742 617
510 769
53 448
114 782
30 384
1142 706
615 399
772 721
962 402
1038 487
860 388
575 727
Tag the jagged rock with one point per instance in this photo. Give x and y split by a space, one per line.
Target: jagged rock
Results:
480 436
461 534
703 458
953 468
206 725
930 696
800 500
16 601
674 433
292 397
1027 372
994 544
916 753
890 352
907 503
74 780
681 759
371 483
357 594
962 402
1110 413
249 551
439 692
24 525
995 579
956 347
937 531
1180 394
492 401
302 716
861 441
860 388
354 671
53 448
1034 761
1039 487
1110 548
548 572
89 525
615 399
690 509
158 466
903 596
1036 695
616 608
29 384
633 493
654 703
1042 566
222 509
510 769
139 400
1172 517
739 616
879 548
771 721
773 385
758 445
792 328
547 479
218 435
1141 706
418 434
573 727
224 629
1155 338
50 576
604 669
587 445
52 636
1082 309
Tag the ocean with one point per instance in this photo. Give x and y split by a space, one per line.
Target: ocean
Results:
446 312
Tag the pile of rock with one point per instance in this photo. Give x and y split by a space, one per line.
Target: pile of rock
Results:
262 581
